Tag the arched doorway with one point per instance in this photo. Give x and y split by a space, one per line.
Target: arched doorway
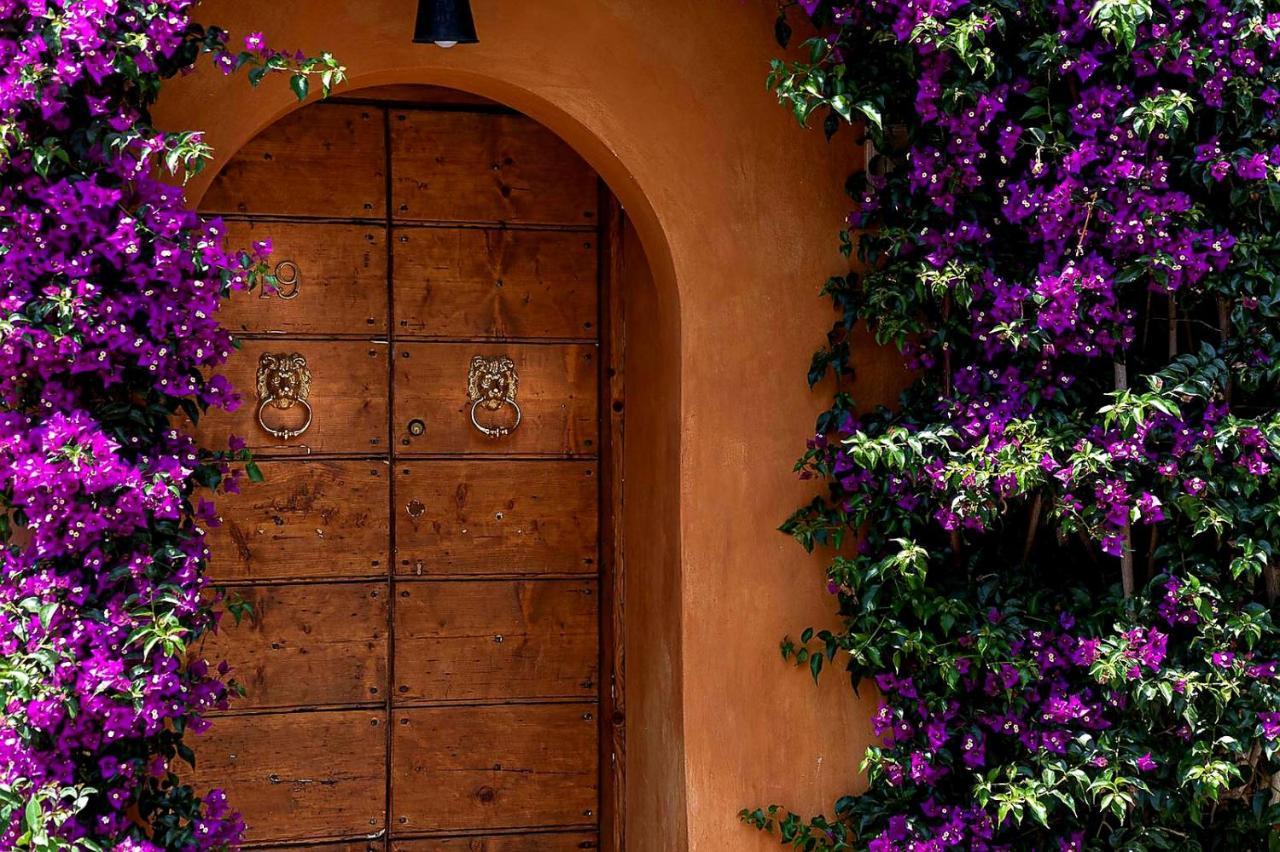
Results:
737 212
434 391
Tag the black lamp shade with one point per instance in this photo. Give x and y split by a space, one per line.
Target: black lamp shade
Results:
445 22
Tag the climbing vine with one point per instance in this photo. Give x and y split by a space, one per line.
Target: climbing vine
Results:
109 291
1055 558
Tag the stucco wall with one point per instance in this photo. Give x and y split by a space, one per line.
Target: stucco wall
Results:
737 210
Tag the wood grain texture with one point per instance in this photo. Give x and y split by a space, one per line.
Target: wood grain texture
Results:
617 254
557 393
496 640
309 645
483 768
332 280
495 283
304 520
478 167
503 843
325 160
496 517
509 251
299 776
348 400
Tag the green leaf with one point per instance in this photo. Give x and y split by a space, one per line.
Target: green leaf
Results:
815 666
782 31
872 113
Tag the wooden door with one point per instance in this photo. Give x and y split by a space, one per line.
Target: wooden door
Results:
422 665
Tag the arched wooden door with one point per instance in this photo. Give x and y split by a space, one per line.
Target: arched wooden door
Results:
422 668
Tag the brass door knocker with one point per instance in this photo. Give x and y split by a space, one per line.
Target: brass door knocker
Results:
283 382
491 384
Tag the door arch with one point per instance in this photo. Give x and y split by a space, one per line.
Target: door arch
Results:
437 599
736 210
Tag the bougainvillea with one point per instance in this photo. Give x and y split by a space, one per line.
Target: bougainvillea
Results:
109 290
1057 554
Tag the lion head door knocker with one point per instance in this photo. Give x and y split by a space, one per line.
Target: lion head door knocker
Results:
284 382
492 384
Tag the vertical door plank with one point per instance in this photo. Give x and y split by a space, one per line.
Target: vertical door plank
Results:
485 167
479 768
304 520
310 645
299 776
467 282
617 252
496 640
325 160
494 517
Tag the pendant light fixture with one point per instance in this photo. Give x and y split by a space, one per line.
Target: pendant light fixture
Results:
445 23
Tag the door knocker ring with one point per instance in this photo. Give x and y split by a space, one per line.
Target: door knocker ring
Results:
284 381
496 431
491 384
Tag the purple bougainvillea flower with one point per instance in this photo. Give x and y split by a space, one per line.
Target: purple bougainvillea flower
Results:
109 292
1253 167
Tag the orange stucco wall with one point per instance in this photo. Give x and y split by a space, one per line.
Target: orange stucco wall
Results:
737 211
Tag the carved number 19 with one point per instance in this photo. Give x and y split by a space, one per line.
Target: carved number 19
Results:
288 281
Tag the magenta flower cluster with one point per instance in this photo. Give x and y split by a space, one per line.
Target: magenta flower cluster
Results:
1057 551
109 295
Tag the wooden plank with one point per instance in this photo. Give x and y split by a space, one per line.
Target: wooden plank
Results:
486 768
622 260
549 842
496 517
496 640
305 520
299 776
492 283
321 160
556 393
417 95
348 400
309 645
332 280
341 846
475 167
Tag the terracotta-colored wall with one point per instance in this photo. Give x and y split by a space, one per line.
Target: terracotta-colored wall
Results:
737 210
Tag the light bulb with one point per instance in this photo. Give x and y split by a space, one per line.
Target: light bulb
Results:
446 44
